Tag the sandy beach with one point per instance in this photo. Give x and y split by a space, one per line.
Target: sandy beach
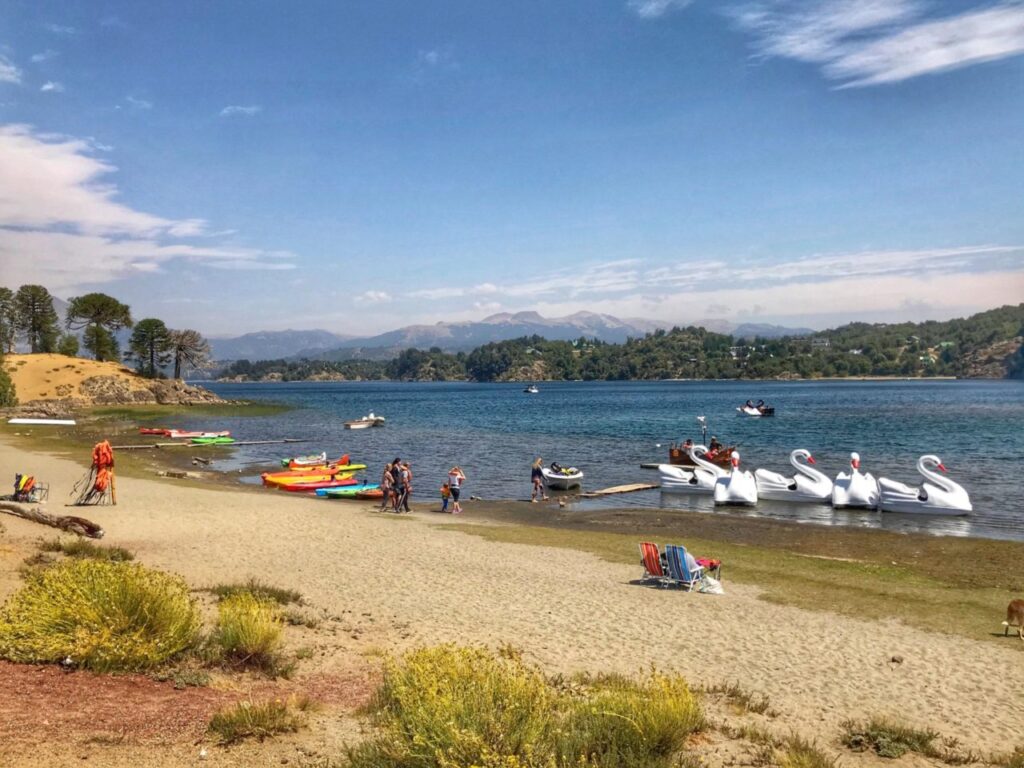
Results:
407 581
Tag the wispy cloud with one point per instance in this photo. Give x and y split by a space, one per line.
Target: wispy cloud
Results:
60 29
652 9
870 42
61 224
243 111
137 103
373 297
38 58
8 72
51 87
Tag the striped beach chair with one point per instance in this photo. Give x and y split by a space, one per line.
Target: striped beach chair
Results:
678 571
650 558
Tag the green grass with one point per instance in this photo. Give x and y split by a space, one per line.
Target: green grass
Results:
258 589
84 548
865 590
888 738
257 720
453 706
248 632
104 616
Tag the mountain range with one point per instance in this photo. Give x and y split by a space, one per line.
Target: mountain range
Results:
459 336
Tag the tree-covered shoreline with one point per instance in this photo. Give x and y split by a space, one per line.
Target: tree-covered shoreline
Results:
986 345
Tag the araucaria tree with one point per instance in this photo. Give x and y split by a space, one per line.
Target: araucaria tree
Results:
99 316
8 324
35 317
149 347
190 348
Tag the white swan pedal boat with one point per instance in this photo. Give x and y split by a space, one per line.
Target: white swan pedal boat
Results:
736 486
760 409
699 479
855 489
938 495
807 485
562 479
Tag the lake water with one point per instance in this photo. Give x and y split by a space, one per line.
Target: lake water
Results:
494 431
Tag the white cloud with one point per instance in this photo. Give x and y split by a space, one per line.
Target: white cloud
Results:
374 297
38 58
233 110
61 224
869 42
8 72
60 29
652 9
51 86
138 103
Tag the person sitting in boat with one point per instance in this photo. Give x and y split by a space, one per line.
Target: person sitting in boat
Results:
713 447
687 445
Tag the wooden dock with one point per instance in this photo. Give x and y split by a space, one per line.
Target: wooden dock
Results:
188 443
618 489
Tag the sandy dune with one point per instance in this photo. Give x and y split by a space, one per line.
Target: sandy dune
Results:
415 583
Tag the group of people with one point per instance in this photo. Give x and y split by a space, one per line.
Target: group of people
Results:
396 485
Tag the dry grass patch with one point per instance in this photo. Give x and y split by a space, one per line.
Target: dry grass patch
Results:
258 589
86 549
888 738
742 699
248 633
258 720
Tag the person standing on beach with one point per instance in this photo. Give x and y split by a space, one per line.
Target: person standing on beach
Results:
537 478
387 484
455 479
406 480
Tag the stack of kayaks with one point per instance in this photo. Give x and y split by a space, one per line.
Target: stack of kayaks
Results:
314 478
359 491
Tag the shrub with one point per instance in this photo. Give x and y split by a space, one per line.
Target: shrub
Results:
800 753
83 548
1016 760
621 722
258 589
248 631
887 738
448 706
104 616
255 720
742 699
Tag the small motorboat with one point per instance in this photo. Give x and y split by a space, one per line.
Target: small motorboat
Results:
562 478
700 479
750 408
938 495
531 390
178 434
808 484
365 422
736 486
855 489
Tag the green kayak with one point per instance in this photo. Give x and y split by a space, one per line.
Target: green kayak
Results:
212 440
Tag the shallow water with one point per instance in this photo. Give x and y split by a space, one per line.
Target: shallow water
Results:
608 429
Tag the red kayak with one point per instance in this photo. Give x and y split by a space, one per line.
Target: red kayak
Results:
310 487
155 431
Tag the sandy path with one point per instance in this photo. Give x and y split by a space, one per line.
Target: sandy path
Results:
412 583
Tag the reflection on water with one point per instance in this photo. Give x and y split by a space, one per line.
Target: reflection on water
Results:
608 429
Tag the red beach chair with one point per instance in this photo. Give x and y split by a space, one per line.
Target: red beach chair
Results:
650 557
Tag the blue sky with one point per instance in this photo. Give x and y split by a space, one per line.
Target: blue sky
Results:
234 166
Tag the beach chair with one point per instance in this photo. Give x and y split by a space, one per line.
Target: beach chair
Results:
650 557
678 571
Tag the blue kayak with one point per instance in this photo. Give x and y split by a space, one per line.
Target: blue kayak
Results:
351 492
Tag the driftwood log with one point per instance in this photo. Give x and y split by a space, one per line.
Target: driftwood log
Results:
78 525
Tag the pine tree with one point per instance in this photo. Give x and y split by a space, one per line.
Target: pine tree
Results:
35 317
150 347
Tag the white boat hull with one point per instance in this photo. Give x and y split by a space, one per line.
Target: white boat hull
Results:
736 487
753 412
771 485
358 424
926 500
676 479
42 422
562 482
858 490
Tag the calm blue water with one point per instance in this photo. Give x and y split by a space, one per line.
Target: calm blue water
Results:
494 431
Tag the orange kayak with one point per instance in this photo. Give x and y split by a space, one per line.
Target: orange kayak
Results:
314 475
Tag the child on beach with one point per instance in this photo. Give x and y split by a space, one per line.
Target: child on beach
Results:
446 493
386 486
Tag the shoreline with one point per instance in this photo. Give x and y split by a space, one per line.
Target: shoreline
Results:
810 623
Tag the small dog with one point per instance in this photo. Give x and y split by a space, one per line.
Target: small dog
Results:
1014 618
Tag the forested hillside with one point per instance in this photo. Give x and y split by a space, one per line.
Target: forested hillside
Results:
986 345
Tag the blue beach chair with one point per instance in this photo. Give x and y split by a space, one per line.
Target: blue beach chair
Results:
678 571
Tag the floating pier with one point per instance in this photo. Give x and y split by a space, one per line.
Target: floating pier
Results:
618 489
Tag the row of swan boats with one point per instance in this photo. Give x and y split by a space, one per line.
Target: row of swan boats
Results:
937 495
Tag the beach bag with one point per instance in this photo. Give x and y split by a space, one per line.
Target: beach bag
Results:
709 585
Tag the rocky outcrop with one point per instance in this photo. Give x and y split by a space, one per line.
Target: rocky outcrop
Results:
996 361
118 390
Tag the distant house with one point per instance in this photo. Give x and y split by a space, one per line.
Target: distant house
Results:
855 351
820 343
